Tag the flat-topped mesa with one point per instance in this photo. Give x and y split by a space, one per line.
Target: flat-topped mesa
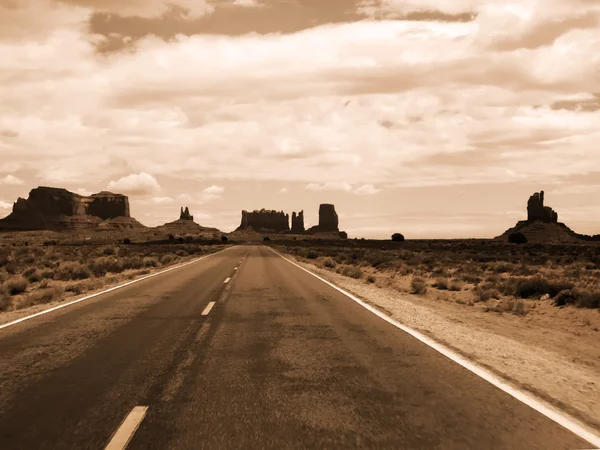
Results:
185 214
537 211
328 220
266 220
49 208
298 222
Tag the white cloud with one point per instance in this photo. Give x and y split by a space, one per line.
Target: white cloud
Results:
366 189
5 205
11 180
329 186
162 200
135 184
284 190
193 9
214 190
247 3
83 191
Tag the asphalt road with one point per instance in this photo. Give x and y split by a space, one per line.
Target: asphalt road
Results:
281 360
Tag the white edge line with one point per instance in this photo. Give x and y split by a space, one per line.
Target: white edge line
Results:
127 429
227 280
560 418
64 305
208 308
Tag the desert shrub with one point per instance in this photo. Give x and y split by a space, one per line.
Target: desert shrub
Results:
352 272
42 296
517 238
16 285
180 239
578 298
329 262
4 300
47 273
485 293
104 264
75 288
71 270
538 286
224 238
11 268
418 285
132 262
312 254
49 243
519 308
472 279
181 252
441 284
32 274
454 286
126 241
150 261
171 237
266 238
4 259
371 279
166 259
397 237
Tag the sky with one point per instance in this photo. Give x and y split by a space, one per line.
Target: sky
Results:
436 119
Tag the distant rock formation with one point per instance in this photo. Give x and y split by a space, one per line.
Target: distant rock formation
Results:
328 220
298 222
265 220
542 225
537 211
49 208
185 215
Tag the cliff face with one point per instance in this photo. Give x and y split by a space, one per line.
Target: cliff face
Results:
537 211
268 220
185 215
328 220
49 208
298 222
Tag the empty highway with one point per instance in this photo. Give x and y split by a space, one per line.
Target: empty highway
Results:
245 350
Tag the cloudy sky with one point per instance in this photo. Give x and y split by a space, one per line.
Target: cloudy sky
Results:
434 118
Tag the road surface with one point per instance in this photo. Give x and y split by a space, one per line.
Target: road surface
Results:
244 350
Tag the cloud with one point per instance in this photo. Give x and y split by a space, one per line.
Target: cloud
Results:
190 9
329 186
408 102
248 3
162 200
135 184
5 205
366 189
284 190
212 192
83 191
11 180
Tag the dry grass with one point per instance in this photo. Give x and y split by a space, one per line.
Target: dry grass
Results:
503 276
36 273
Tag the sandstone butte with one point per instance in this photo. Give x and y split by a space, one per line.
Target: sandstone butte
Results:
266 220
542 225
57 209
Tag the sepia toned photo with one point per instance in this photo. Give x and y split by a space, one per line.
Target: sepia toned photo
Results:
299 224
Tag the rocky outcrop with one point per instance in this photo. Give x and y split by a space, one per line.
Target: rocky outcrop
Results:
49 208
298 222
328 220
542 225
265 220
185 215
537 211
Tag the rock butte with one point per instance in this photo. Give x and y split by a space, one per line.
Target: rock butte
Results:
278 222
542 225
57 209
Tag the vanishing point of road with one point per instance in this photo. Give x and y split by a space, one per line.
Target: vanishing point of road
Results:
244 350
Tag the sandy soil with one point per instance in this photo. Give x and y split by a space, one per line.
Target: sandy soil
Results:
550 352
